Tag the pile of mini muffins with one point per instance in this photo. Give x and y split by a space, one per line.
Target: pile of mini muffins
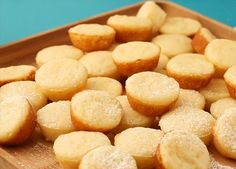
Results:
133 94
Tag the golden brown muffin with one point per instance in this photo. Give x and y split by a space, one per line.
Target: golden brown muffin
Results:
131 28
91 37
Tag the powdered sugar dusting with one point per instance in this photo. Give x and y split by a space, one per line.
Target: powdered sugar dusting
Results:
216 165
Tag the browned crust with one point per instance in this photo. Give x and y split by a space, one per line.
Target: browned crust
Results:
159 164
190 82
231 88
127 69
149 110
199 43
25 131
124 34
91 42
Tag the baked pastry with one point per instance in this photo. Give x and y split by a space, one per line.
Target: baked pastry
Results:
230 80
194 120
201 40
192 71
173 44
131 28
184 150
224 133
141 143
153 12
60 79
17 120
151 93
57 52
180 25
16 73
27 89
107 157
130 117
112 86
133 57
54 120
91 37
70 148
100 63
215 90
163 60
191 98
218 107
95 110
221 52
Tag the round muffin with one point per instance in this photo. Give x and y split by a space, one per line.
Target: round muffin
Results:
194 120
131 28
141 143
16 73
130 117
191 98
100 63
91 37
17 120
221 52
70 148
218 107
201 40
27 89
133 57
107 157
112 86
180 25
192 71
173 44
95 110
151 93
54 120
57 52
224 133
230 80
184 150
215 90
60 79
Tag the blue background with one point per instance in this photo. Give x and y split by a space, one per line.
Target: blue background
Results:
21 18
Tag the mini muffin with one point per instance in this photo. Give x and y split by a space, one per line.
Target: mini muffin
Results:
60 79
95 110
194 120
151 93
173 44
70 148
112 86
163 60
16 73
91 37
100 63
215 90
133 57
183 150
201 40
192 71
130 117
54 120
180 25
27 89
107 157
17 121
230 80
131 28
221 52
218 107
58 52
224 133
141 143
191 98
153 12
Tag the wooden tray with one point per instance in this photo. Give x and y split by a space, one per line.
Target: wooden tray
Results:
37 153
